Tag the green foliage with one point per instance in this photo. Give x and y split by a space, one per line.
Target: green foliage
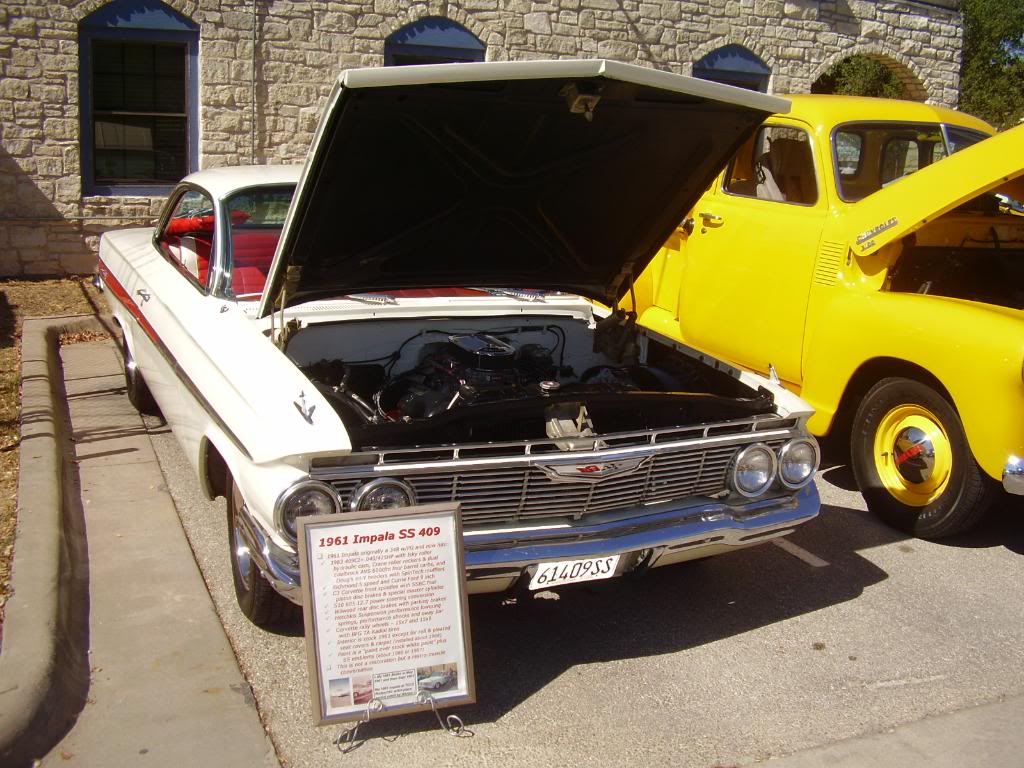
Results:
860 75
992 72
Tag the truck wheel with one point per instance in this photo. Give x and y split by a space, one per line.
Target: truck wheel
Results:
912 461
259 601
138 393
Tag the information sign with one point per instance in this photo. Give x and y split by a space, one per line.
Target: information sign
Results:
384 603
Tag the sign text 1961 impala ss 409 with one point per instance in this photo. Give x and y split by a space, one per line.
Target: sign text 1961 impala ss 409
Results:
416 325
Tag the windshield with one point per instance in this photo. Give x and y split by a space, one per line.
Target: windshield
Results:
256 217
869 156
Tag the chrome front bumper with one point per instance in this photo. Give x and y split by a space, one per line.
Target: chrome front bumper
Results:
665 534
1013 475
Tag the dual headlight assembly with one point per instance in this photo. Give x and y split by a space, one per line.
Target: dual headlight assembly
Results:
757 466
753 472
312 497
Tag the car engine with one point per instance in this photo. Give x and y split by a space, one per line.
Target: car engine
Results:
507 386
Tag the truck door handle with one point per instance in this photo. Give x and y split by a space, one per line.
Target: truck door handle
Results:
144 295
710 218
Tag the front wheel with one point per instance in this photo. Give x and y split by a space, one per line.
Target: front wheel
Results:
138 392
259 601
912 461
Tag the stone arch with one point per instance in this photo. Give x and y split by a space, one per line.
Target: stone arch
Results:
494 40
734 65
432 39
751 44
186 8
903 67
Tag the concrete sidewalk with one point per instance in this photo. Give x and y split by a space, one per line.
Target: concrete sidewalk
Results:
979 737
165 687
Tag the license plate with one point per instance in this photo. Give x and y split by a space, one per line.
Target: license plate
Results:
573 571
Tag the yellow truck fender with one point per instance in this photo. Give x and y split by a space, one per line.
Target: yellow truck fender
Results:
971 353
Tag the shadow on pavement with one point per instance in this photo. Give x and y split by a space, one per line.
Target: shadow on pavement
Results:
1004 527
520 647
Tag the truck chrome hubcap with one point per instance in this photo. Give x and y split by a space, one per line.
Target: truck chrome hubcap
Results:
913 455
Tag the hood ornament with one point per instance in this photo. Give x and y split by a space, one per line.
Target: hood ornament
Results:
306 411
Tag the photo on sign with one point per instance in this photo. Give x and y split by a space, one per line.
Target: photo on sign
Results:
341 692
437 678
362 688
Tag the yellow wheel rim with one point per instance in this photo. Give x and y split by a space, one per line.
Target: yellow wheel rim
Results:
913 456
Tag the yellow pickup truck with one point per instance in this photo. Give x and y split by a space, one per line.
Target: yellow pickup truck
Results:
884 287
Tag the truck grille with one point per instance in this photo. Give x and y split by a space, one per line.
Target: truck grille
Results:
519 493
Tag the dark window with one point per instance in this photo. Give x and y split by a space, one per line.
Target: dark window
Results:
734 65
138 84
432 40
961 138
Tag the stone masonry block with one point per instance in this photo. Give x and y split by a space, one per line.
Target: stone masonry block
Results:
538 22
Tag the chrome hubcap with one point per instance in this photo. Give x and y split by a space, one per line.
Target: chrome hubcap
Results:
914 455
243 560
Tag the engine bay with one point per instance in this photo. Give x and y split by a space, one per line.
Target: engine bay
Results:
561 378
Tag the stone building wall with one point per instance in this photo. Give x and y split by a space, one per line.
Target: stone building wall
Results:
48 227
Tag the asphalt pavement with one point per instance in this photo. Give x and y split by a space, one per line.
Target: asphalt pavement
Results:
847 644
844 641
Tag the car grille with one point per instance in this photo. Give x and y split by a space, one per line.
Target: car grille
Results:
517 493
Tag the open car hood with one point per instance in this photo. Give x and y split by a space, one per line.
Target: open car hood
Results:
552 175
995 164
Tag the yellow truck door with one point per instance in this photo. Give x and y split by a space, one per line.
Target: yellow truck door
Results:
738 283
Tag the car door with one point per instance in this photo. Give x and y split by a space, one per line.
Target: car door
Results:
738 280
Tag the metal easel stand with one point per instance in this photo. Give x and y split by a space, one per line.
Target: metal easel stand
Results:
451 724
346 740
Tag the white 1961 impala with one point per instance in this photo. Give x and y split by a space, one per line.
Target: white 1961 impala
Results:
424 322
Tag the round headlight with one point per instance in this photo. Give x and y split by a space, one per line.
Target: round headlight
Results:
754 469
383 493
798 460
308 497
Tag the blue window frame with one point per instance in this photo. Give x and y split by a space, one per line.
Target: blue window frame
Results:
138 94
734 65
432 40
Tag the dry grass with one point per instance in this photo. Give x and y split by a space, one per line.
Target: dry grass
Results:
20 299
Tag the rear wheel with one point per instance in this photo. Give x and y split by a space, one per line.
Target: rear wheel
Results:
259 601
138 393
913 463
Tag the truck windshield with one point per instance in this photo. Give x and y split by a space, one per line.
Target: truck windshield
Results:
870 155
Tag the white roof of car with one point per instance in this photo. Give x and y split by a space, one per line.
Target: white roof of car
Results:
221 182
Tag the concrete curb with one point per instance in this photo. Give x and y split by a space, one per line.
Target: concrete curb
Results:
44 672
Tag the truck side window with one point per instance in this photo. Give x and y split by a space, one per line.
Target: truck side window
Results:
776 165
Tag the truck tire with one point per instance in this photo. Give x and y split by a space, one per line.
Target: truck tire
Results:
260 602
138 393
913 463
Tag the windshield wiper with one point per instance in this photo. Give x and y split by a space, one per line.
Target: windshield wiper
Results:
372 298
513 293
